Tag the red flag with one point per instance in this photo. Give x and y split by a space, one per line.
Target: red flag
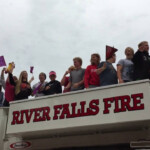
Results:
110 51
31 69
2 61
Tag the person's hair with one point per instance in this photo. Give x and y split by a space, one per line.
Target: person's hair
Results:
42 73
96 55
141 43
129 48
17 89
78 59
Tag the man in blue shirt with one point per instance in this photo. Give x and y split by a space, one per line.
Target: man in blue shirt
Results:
106 71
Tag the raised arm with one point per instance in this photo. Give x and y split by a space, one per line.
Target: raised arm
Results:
3 78
31 80
68 85
119 73
101 69
63 79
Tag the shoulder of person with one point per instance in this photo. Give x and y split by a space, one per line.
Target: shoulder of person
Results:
45 82
83 69
138 53
121 61
57 82
27 83
34 85
101 64
88 67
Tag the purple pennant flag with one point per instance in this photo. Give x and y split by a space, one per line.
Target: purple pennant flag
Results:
2 61
31 69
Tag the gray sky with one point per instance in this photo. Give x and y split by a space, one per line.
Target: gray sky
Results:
48 34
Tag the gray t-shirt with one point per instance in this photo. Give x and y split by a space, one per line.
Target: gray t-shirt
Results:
1 99
109 75
127 70
75 77
2 82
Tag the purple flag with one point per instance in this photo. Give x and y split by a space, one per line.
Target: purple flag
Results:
37 89
2 61
31 69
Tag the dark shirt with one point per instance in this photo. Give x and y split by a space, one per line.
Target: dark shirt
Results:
11 79
141 62
24 92
55 88
109 75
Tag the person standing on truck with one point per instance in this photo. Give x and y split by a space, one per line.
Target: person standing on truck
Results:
141 61
2 78
125 67
23 89
91 79
38 88
65 79
54 86
10 88
1 96
76 81
106 71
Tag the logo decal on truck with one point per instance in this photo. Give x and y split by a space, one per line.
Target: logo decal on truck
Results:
20 145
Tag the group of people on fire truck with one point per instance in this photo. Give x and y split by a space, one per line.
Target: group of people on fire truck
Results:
136 66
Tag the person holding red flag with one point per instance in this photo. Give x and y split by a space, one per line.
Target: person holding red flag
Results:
91 79
106 71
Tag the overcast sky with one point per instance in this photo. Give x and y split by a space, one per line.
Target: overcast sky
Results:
48 34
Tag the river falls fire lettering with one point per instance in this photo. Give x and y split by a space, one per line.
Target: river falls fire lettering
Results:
115 104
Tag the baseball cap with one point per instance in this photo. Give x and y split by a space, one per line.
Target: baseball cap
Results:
52 73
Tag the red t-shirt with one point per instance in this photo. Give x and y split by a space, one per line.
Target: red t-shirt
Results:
66 83
9 92
90 76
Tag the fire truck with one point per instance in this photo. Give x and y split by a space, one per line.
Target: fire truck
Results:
115 117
